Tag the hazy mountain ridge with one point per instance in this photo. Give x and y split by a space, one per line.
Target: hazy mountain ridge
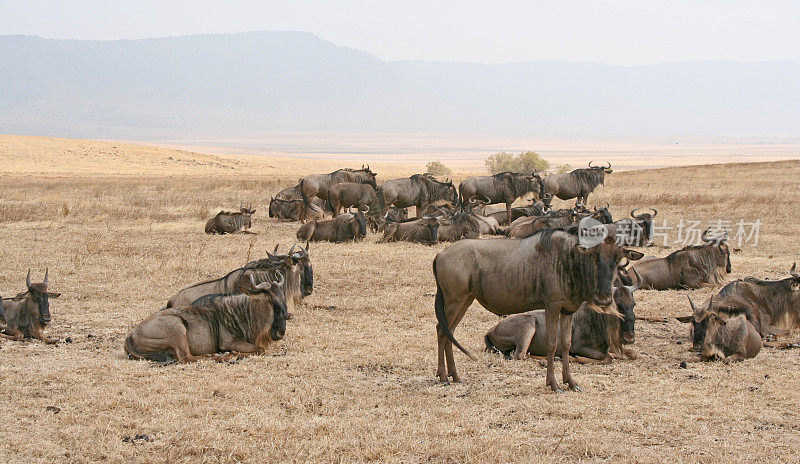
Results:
267 81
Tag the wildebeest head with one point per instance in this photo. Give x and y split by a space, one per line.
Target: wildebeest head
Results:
795 285
365 176
602 214
303 259
442 190
699 321
607 255
645 221
716 320
603 169
723 255
544 196
358 224
246 214
624 299
41 296
274 293
432 223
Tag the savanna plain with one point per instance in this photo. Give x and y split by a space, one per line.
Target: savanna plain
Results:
120 228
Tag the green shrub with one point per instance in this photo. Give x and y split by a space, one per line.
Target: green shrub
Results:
437 168
526 162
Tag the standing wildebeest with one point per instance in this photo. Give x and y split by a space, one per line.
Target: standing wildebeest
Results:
419 190
594 336
27 314
425 230
243 324
549 269
343 228
352 194
729 335
229 222
772 306
638 230
295 268
578 183
504 187
693 266
317 185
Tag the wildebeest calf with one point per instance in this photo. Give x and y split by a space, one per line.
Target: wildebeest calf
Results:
729 336
229 222
28 314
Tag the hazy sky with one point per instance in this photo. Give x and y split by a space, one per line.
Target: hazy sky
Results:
613 32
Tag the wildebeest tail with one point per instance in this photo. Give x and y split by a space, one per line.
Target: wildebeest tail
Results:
303 193
161 357
442 319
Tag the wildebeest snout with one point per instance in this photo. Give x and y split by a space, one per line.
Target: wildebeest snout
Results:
628 338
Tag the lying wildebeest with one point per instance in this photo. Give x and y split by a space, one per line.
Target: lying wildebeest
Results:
560 218
594 336
317 185
772 306
293 210
352 194
419 190
537 208
578 183
693 266
504 187
425 230
342 228
230 222
488 224
729 335
290 193
460 226
294 267
377 223
28 314
243 324
549 269
440 209
638 230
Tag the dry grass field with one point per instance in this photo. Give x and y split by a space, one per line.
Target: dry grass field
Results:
121 229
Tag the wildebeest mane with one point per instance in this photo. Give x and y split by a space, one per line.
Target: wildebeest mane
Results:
701 257
577 271
231 311
588 177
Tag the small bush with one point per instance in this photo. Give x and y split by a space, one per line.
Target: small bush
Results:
564 168
437 168
525 162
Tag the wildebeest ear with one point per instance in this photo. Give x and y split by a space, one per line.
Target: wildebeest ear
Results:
53 295
684 319
795 286
633 254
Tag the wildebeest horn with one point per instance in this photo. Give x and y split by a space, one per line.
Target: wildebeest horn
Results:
609 165
488 200
694 308
634 215
607 205
291 250
633 288
793 272
28 278
704 236
252 281
473 200
366 210
46 272
595 206
590 164
627 261
655 212
276 283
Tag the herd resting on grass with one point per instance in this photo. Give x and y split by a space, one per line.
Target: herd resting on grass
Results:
562 296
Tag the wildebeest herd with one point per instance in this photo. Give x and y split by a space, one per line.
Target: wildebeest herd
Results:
562 295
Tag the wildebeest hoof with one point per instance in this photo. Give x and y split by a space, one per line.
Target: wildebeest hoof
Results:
575 388
558 390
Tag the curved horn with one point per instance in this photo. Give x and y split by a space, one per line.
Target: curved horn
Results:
595 206
623 266
291 250
46 272
367 210
638 284
655 212
487 200
276 283
590 164
633 215
472 200
609 165
607 205
252 281
704 236
694 308
28 278
275 251
793 272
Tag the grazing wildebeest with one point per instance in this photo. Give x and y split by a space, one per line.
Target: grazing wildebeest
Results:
419 190
293 210
578 183
638 230
594 336
295 267
28 314
504 187
693 266
230 222
243 324
425 230
352 194
729 335
342 228
549 269
772 306
317 185
460 226
560 218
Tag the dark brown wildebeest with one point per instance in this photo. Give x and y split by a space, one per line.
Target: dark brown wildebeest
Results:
230 222
772 306
2 316
693 266
504 187
377 223
295 267
317 185
578 183
293 210
728 334
560 218
28 314
342 228
638 230
595 336
488 224
425 230
537 208
419 190
458 227
352 194
549 269
243 325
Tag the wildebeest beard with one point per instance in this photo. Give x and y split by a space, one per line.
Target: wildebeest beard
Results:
589 178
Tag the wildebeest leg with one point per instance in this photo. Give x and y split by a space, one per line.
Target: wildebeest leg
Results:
17 335
523 342
590 352
39 335
735 357
565 337
458 307
552 313
508 210
241 348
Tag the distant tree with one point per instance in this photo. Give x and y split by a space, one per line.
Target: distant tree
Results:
525 162
437 168
564 168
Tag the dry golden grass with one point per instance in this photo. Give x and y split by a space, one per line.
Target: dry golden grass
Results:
353 382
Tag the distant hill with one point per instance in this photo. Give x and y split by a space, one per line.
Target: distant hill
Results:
240 84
